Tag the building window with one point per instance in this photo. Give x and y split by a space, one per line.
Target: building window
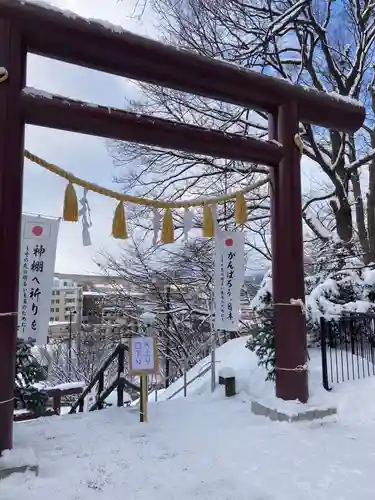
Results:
66 318
57 309
52 310
57 301
52 319
57 292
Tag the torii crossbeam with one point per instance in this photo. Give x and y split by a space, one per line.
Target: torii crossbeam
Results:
27 27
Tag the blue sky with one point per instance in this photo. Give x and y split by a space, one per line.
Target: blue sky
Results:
84 155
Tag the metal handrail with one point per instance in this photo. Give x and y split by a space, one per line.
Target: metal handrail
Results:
187 383
182 365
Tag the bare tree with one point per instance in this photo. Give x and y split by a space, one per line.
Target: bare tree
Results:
80 361
322 44
176 285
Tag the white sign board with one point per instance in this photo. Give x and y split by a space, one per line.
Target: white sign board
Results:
143 355
228 279
37 264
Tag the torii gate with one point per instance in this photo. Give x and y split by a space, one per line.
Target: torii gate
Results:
27 27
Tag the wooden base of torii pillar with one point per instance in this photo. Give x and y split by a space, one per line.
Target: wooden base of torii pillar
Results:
28 27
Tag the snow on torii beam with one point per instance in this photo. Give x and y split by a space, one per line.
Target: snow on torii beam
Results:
25 27
62 35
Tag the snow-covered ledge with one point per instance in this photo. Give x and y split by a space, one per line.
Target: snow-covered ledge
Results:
18 460
291 411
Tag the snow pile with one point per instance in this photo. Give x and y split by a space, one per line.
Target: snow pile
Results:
69 385
233 354
18 457
250 379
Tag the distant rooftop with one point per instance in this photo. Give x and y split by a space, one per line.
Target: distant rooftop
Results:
89 278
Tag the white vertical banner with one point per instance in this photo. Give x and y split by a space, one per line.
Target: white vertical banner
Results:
228 278
37 265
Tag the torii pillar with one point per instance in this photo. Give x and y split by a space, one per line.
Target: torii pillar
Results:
287 259
12 55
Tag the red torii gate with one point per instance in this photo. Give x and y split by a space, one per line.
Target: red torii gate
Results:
27 27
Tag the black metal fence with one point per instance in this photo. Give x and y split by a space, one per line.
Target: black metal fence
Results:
348 348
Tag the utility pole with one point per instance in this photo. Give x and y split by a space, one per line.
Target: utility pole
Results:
70 345
79 320
167 352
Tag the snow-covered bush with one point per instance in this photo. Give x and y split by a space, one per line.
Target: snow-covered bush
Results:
338 285
28 373
262 339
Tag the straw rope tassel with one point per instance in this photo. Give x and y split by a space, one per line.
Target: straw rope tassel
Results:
70 204
119 223
208 222
167 230
241 209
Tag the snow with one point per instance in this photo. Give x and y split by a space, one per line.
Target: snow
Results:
72 15
205 446
226 372
69 385
235 359
231 355
317 300
112 398
38 93
324 299
93 293
148 318
21 412
46 5
286 17
58 323
324 233
347 99
18 458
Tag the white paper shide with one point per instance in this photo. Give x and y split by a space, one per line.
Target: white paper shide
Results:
37 264
228 279
143 357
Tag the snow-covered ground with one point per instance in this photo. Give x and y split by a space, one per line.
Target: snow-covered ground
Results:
205 447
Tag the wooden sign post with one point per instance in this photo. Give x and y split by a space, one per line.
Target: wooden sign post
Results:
143 361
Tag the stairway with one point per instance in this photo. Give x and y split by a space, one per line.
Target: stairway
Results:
119 384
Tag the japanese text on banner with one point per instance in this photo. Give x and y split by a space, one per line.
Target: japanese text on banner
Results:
229 274
38 252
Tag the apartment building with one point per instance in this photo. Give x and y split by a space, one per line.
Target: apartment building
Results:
66 298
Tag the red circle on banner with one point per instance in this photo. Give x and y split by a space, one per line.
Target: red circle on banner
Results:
37 230
229 242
